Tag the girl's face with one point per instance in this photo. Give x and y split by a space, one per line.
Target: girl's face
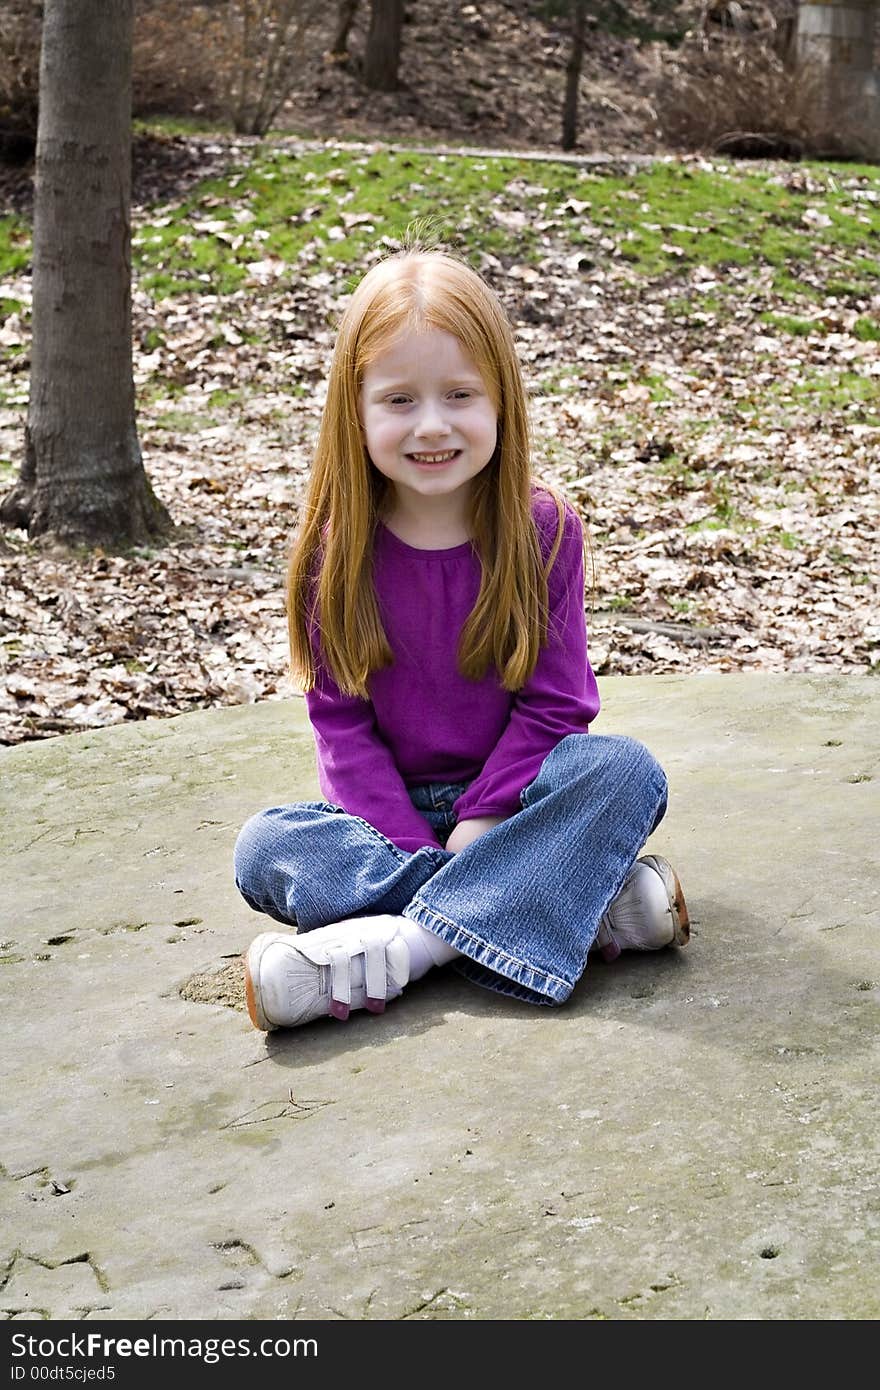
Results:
429 423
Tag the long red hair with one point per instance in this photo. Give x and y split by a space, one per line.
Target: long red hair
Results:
330 578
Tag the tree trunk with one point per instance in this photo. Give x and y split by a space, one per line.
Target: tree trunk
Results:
344 20
573 75
82 478
835 39
382 56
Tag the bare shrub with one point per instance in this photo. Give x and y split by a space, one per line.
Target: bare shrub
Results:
232 59
266 42
236 59
735 87
178 48
19 77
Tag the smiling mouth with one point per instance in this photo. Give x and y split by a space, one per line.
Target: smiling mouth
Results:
445 457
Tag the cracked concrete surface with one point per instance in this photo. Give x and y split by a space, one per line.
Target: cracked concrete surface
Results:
693 1136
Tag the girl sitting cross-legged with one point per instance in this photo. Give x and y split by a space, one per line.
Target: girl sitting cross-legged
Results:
436 610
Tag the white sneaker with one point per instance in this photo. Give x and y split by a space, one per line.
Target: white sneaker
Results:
292 978
648 913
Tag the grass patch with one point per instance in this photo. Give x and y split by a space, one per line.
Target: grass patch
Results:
730 522
281 212
152 340
818 393
659 390
185 421
562 381
225 396
850 564
789 540
681 476
179 125
683 607
794 291
786 323
700 307
838 391
677 214
15 246
329 208
159 389
868 330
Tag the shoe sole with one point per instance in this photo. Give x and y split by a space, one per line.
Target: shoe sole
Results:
681 922
252 994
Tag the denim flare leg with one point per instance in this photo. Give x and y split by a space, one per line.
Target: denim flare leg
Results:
522 903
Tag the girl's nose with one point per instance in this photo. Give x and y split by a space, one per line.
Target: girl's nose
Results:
431 422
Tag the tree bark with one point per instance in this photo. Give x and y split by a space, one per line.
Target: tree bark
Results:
82 477
382 55
573 75
344 20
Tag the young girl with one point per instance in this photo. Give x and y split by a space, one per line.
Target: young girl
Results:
436 609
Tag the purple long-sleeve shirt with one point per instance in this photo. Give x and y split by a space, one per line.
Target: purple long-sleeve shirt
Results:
424 721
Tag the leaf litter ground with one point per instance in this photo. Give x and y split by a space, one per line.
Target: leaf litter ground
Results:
701 343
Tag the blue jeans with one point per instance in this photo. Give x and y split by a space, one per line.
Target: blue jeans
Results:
522 903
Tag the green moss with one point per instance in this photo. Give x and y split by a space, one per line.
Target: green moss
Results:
329 208
814 393
700 307
314 206
789 288
280 216
836 391
185 421
562 381
868 330
15 245
658 388
160 125
152 340
786 323
224 397
683 478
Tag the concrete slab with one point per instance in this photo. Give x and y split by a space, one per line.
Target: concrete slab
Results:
693 1136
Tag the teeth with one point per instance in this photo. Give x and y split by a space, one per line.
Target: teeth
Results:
435 458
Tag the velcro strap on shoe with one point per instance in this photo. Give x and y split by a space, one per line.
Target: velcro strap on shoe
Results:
375 975
340 975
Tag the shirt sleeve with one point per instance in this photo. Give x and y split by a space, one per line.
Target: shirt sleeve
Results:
559 698
356 769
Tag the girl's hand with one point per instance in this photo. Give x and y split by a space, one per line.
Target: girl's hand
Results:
467 831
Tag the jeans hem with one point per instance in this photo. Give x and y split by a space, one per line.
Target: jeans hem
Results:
499 984
536 982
